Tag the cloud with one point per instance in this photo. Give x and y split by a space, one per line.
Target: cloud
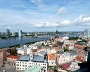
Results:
62 10
57 24
2 25
80 21
17 22
39 3
36 1
46 24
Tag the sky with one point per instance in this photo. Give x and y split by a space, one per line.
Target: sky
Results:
44 15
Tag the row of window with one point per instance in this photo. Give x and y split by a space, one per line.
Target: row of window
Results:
37 64
21 68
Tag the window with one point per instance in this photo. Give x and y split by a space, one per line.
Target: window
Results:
17 67
17 64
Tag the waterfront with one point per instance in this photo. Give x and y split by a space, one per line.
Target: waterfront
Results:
22 41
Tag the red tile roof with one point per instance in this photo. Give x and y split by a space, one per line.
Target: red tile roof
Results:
79 46
65 66
51 57
78 58
13 57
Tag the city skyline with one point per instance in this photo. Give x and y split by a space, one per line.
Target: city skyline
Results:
44 15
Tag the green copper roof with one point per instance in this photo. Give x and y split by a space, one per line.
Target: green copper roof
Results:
34 68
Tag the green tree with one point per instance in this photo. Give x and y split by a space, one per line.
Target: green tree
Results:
42 44
13 52
66 50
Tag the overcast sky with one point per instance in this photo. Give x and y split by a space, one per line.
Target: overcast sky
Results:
44 15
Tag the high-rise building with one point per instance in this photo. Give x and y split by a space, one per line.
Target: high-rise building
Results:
86 32
13 33
7 31
20 33
56 34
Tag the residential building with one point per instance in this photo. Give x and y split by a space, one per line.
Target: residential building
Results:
52 59
66 57
12 59
79 46
65 38
27 61
3 55
69 44
73 67
51 50
21 51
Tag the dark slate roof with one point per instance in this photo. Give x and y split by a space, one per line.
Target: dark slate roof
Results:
38 58
60 43
24 58
60 52
56 36
73 52
43 52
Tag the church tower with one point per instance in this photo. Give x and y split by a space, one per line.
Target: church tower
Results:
56 34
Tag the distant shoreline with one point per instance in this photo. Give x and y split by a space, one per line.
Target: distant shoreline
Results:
18 45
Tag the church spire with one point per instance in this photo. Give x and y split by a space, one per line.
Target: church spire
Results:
56 31
56 34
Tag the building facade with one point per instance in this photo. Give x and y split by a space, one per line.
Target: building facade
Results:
86 32
23 65
3 56
7 31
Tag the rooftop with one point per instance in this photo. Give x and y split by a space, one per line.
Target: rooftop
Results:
34 68
73 52
24 58
43 52
65 66
60 52
51 57
78 58
13 57
21 48
38 58
79 46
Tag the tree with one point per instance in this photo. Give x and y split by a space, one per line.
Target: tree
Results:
47 45
42 44
66 50
13 52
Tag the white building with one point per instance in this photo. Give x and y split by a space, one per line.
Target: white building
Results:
51 50
65 38
29 50
73 67
66 57
70 44
13 33
25 62
22 51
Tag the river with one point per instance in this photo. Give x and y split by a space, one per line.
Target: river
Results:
12 42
